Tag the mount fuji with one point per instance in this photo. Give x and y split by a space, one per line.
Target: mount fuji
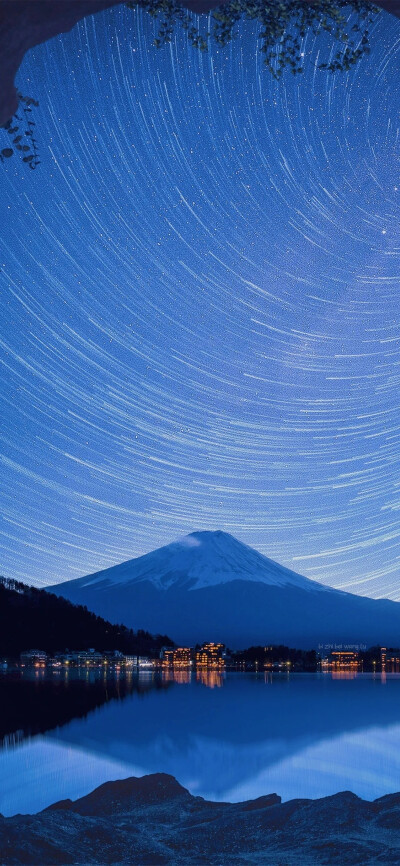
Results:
210 586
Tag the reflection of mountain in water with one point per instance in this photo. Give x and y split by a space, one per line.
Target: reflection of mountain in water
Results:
242 736
218 740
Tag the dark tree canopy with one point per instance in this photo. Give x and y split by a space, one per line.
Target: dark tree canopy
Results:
34 618
283 24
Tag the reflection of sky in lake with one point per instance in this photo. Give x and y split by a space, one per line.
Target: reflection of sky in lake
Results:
304 736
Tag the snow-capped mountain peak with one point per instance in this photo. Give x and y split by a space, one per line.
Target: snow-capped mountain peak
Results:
210 586
199 560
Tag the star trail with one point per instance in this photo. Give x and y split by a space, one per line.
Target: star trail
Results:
200 307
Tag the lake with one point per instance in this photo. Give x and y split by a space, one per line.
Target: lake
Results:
227 737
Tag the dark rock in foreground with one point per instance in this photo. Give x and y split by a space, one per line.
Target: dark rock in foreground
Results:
154 821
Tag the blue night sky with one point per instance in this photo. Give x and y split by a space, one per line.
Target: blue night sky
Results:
200 307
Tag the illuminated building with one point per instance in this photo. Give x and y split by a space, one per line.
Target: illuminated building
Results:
390 661
88 657
145 662
136 661
181 657
33 657
210 655
131 661
342 661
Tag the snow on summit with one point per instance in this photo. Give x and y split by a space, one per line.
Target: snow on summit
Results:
210 586
199 560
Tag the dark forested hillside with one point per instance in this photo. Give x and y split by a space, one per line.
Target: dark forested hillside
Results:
33 618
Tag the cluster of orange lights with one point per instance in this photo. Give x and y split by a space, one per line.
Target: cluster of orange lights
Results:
208 661
210 678
182 676
177 658
342 661
209 656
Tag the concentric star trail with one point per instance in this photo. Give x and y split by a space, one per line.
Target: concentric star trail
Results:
200 320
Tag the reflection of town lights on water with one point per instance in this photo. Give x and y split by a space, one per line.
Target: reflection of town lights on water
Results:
209 678
344 675
174 675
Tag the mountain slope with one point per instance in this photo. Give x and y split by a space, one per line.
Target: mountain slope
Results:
209 586
198 561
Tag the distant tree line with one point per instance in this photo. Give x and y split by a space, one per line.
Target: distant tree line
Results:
277 654
32 618
257 657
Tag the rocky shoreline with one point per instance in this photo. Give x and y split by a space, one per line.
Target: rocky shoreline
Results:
154 821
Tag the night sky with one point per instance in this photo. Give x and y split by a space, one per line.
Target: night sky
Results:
200 320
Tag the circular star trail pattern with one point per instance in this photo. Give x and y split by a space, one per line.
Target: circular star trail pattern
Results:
200 307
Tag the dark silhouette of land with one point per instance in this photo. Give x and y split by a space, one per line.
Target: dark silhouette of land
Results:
155 821
34 618
31 705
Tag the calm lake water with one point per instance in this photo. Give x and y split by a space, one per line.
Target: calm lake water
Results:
225 738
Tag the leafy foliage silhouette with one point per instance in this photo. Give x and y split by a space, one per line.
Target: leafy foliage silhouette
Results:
283 26
26 146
